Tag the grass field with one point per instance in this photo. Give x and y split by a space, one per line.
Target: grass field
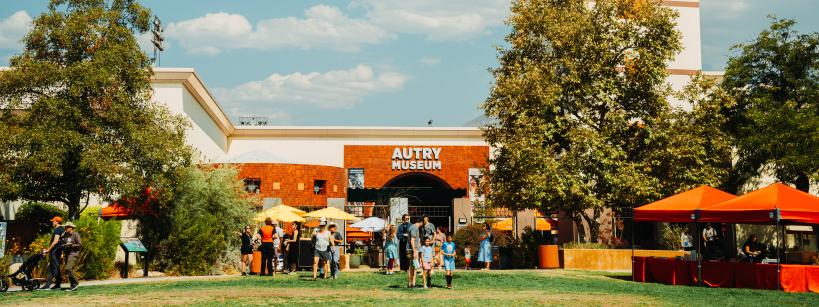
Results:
497 288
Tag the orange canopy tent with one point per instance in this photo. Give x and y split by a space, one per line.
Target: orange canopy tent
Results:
680 208
763 206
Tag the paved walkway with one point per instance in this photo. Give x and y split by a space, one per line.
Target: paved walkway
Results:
141 280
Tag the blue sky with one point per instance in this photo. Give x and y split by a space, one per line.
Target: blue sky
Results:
367 62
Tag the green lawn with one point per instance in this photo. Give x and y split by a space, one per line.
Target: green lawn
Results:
509 288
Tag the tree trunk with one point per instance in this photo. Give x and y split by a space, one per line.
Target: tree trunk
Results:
581 231
73 204
803 183
594 225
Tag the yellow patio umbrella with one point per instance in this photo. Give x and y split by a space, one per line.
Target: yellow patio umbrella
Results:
508 225
281 215
332 213
297 211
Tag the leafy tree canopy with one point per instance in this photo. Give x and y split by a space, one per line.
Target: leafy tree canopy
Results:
775 79
87 125
580 116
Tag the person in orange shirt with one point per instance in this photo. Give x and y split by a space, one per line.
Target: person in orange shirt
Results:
268 233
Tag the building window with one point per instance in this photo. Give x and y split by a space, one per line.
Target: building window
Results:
320 187
253 185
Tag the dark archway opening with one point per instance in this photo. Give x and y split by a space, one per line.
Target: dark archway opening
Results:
426 194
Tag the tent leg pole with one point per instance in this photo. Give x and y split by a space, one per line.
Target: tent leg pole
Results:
632 245
699 252
778 260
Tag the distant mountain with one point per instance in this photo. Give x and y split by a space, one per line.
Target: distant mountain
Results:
480 121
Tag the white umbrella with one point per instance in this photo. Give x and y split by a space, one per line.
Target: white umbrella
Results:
370 224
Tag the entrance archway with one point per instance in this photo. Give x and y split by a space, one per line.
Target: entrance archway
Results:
426 194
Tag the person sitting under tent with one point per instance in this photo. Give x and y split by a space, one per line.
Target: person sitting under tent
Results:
751 249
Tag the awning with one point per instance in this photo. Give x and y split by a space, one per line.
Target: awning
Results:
763 205
681 207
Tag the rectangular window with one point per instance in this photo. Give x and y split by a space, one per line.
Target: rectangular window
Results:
253 185
320 187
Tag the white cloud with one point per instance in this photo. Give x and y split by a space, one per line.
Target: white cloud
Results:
436 19
431 61
327 90
729 9
323 27
13 28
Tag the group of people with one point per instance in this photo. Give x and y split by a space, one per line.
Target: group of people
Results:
420 246
64 246
272 242
712 244
417 247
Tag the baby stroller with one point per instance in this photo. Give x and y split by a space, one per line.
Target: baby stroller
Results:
22 277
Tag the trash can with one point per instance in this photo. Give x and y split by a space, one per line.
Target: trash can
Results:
256 264
548 257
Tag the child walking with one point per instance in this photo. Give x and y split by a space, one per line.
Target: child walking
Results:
448 250
467 257
427 254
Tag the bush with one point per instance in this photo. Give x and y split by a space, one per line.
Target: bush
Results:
196 230
671 235
580 245
39 214
472 234
100 240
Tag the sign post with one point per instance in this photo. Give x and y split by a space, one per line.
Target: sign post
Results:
129 246
2 239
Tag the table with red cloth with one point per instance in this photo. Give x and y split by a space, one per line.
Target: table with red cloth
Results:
672 271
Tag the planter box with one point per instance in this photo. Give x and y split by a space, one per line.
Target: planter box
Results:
608 259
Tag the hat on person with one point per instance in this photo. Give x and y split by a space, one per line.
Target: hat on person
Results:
331 225
69 225
57 219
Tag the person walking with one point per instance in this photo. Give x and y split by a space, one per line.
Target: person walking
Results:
292 248
338 241
427 258
390 247
428 229
72 243
485 251
246 250
467 256
278 237
438 241
267 232
54 252
403 242
413 252
321 250
448 251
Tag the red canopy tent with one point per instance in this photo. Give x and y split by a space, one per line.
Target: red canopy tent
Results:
680 208
770 205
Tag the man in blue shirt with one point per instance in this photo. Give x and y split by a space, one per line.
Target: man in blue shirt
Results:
448 249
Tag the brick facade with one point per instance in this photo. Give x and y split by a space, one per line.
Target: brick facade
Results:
377 162
283 181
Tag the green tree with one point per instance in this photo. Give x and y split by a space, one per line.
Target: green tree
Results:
87 125
775 79
689 147
198 226
578 99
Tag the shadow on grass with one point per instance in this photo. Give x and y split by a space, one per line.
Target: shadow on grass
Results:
620 277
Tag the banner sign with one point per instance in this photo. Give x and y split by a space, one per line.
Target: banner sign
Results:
475 181
2 239
355 180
